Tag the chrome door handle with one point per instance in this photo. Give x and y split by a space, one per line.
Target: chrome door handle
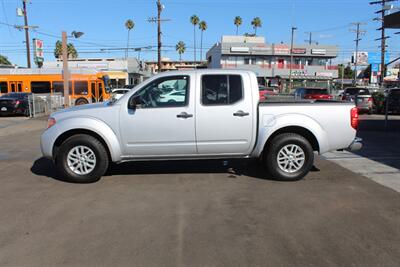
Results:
184 115
241 113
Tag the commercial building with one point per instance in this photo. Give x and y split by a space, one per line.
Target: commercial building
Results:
312 63
168 64
120 71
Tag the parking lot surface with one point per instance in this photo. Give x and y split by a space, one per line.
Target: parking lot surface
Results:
189 214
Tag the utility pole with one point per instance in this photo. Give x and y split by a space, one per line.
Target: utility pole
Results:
158 19
383 37
28 52
65 68
358 32
159 10
291 60
309 37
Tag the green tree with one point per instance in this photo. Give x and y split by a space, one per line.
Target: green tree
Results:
256 23
4 61
347 72
71 50
180 48
237 21
202 26
129 25
194 20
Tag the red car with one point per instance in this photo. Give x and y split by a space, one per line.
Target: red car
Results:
265 92
312 93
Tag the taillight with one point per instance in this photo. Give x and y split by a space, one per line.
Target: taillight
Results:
370 99
354 117
17 102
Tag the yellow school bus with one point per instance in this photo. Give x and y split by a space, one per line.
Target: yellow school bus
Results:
85 86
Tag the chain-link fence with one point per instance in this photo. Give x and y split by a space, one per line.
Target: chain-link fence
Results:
44 104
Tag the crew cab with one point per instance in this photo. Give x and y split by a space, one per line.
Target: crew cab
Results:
219 117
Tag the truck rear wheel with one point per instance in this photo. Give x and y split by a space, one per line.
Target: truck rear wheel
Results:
82 159
289 157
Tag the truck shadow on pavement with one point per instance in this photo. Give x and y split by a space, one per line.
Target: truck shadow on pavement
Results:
233 168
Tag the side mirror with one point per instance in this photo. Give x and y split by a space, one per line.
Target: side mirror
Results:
134 102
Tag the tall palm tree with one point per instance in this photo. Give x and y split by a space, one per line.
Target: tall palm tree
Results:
194 20
202 27
129 25
180 48
256 22
237 21
71 50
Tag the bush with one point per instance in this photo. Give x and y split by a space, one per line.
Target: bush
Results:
379 102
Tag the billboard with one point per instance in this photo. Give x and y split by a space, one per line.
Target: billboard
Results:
38 51
375 58
362 58
281 49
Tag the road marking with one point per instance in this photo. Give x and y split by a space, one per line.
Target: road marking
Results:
369 167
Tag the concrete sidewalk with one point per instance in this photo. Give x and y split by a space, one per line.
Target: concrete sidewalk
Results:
379 159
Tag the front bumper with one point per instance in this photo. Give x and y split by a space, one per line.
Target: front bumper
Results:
355 145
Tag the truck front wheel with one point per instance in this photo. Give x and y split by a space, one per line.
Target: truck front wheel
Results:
82 159
289 157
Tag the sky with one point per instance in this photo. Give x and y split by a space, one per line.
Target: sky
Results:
103 24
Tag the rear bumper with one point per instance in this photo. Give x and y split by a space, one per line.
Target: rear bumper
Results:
355 145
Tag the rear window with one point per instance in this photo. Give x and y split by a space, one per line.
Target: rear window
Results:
357 91
316 91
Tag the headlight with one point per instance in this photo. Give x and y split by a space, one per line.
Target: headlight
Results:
50 122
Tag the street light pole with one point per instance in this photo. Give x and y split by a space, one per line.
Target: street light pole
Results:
65 69
291 60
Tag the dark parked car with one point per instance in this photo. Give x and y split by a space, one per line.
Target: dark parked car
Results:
361 96
312 93
14 103
393 98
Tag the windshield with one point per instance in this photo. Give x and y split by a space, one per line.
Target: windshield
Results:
106 81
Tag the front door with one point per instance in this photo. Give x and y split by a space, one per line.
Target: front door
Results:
162 122
94 92
225 119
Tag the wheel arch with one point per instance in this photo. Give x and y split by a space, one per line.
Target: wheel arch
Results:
92 127
307 134
64 136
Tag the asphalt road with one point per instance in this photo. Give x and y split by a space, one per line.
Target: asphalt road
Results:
187 214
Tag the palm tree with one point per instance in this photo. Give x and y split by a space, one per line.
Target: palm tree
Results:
71 50
202 27
194 20
180 48
256 22
4 60
129 25
237 21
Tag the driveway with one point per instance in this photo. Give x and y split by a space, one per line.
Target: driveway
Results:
189 214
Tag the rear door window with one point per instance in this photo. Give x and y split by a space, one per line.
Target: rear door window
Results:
221 89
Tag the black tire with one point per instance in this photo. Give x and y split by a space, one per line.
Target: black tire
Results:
81 101
101 159
272 151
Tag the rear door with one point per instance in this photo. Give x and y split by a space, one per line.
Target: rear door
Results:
224 115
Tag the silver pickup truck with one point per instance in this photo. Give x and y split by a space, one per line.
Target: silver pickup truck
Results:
202 114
